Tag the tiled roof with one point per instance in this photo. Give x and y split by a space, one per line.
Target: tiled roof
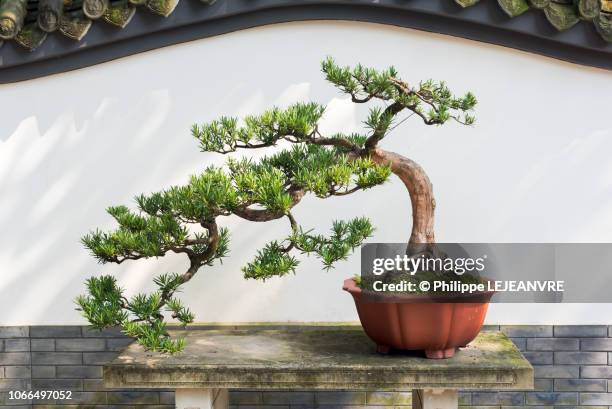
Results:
29 22
562 14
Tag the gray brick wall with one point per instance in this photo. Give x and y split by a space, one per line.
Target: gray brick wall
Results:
67 358
573 367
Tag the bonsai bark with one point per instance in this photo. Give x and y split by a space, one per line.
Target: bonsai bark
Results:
420 189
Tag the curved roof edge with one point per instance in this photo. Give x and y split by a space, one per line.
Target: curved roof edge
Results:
192 20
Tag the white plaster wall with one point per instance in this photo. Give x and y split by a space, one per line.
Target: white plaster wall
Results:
535 168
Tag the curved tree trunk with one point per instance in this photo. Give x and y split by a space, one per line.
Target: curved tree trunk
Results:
420 190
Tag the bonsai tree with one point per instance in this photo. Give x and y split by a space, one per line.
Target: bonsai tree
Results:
187 219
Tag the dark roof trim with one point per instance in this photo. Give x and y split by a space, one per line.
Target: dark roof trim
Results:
483 22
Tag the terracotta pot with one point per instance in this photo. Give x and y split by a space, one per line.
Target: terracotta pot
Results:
421 321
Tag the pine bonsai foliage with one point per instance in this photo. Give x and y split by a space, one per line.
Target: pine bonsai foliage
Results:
186 219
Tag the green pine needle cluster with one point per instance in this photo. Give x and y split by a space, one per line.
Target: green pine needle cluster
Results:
312 168
345 237
138 236
185 219
141 316
225 135
432 100
360 82
275 259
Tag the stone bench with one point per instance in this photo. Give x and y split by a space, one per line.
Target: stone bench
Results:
305 357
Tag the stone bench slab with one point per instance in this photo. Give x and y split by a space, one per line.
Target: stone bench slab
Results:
314 358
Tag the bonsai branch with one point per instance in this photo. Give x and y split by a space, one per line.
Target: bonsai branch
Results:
264 215
383 125
317 139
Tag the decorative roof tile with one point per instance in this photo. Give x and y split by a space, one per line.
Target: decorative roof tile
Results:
561 16
603 24
514 8
49 14
74 27
30 36
28 21
119 14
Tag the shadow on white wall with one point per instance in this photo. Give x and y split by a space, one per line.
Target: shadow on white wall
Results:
535 168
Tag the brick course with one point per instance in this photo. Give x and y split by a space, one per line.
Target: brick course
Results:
573 369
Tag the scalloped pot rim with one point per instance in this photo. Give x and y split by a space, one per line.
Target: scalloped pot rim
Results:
350 286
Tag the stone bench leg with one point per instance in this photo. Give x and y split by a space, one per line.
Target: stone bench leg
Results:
435 399
202 398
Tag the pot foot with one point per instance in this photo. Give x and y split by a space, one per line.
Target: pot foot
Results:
440 353
383 349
